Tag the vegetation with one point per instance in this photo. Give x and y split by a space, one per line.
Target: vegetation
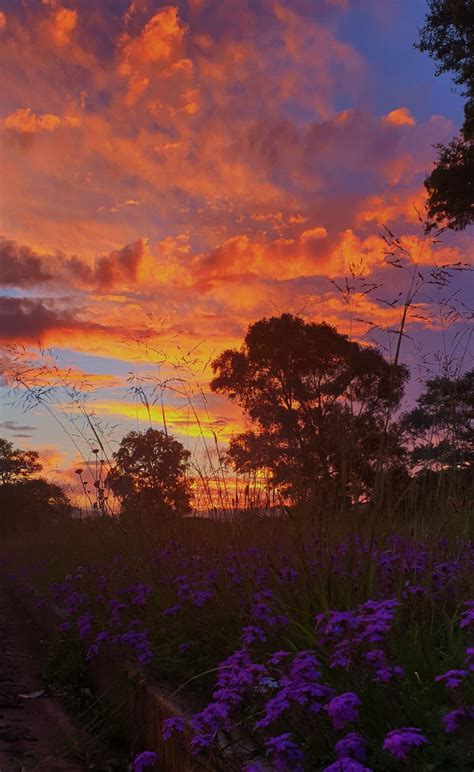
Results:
447 37
27 503
441 426
149 475
331 633
317 403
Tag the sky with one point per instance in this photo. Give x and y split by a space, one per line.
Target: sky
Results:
173 172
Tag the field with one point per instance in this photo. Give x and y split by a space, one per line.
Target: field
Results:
292 647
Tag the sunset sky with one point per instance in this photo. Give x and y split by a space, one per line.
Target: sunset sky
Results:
171 173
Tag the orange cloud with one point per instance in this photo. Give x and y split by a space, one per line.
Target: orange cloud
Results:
62 25
400 117
25 121
186 421
159 43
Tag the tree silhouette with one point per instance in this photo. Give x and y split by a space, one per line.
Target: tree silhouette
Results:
149 474
27 504
16 464
441 427
448 37
318 404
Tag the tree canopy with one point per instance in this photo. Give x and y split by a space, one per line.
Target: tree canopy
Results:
317 403
448 37
16 464
441 427
150 472
27 503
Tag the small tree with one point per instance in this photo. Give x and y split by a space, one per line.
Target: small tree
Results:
16 464
149 474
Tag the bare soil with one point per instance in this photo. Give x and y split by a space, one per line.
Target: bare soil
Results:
36 732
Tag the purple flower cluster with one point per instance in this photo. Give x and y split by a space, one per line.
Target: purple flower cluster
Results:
358 634
343 709
144 760
287 670
400 742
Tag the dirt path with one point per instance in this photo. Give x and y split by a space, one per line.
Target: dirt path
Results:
35 731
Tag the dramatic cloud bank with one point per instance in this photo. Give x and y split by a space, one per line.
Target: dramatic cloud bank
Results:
173 172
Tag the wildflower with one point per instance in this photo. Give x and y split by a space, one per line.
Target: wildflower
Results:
277 657
199 598
285 753
467 617
452 678
455 718
173 724
343 709
201 742
351 746
144 759
84 625
399 742
346 765
251 633
172 610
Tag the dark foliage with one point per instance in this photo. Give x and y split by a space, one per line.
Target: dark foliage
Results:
441 427
29 506
448 37
16 464
149 474
318 403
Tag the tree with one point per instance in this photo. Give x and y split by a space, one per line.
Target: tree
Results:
448 37
440 429
149 474
318 403
27 504
16 464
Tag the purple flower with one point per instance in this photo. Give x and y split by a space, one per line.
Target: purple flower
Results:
144 759
277 657
172 610
351 746
284 752
470 657
201 742
468 616
173 724
455 718
346 765
251 633
199 598
452 678
139 593
84 625
399 742
343 709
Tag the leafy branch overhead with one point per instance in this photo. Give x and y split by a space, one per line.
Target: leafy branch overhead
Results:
448 37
